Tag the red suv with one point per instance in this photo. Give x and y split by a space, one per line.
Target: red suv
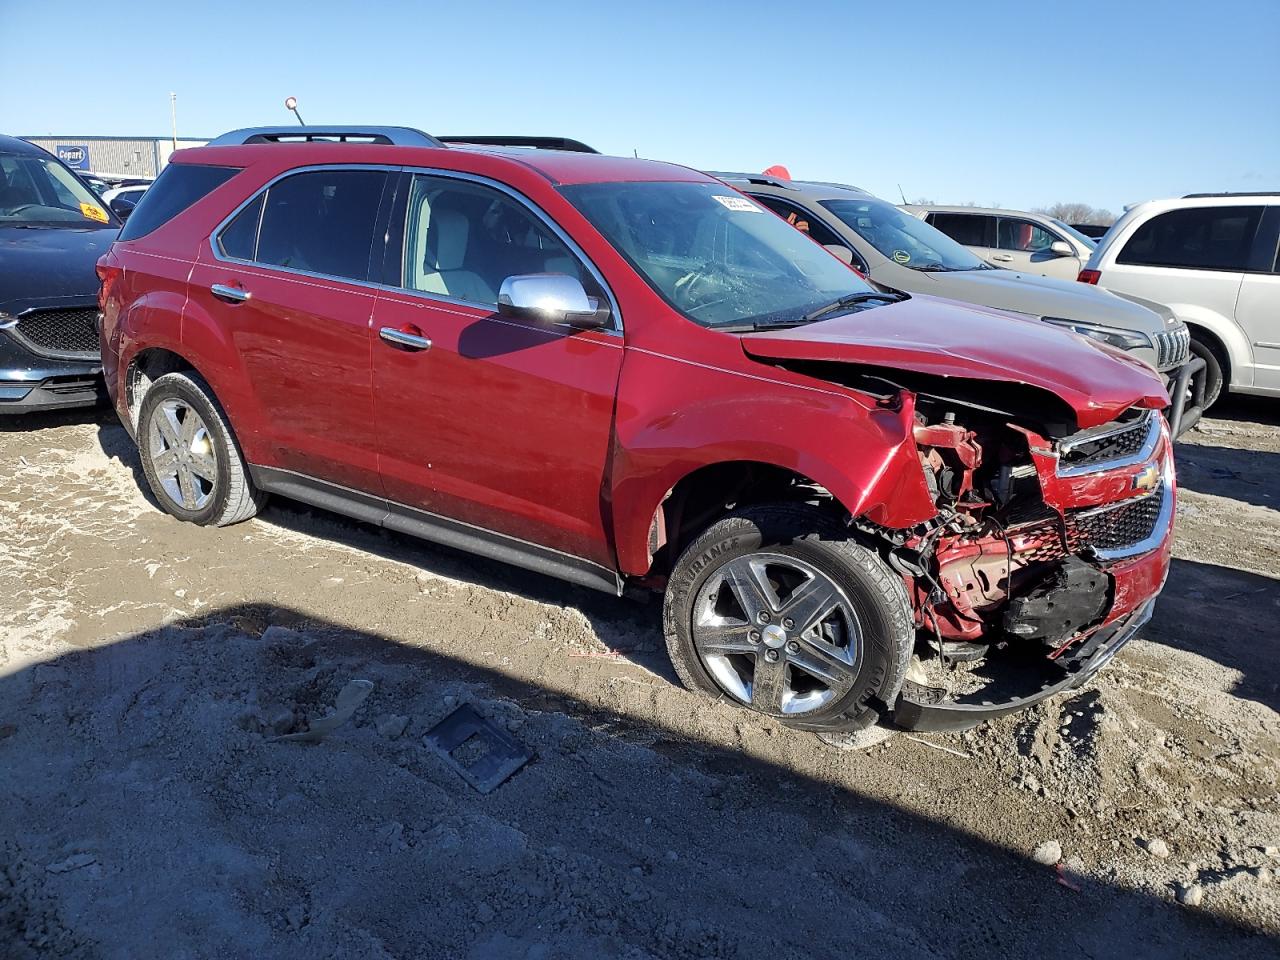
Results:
861 505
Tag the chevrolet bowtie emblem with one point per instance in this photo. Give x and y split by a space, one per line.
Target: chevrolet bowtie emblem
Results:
1148 479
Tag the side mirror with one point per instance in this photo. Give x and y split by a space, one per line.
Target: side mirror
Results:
1061 248
122 207
550 298
839 252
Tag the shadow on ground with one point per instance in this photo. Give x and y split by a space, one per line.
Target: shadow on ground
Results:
1244 475
146 811
1213 611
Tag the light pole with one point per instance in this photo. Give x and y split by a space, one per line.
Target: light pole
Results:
291 103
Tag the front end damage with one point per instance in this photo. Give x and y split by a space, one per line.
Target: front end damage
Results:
1044 558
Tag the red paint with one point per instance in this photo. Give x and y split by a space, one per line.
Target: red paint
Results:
571 440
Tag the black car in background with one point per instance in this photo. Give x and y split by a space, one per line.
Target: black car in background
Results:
53 229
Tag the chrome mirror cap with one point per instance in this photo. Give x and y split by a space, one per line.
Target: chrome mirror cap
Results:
550 298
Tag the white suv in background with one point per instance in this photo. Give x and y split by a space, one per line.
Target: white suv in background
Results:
1013 239
1212 258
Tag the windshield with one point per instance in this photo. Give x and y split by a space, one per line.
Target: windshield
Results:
716 256
1089 242
904 239
36 190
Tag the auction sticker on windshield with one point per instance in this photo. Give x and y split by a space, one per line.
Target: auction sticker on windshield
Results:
740 204
91 211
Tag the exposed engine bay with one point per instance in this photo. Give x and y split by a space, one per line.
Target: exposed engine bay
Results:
1014 582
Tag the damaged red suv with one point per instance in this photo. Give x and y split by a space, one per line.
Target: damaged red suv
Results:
862 506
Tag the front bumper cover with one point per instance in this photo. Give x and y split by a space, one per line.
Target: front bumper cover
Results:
31 383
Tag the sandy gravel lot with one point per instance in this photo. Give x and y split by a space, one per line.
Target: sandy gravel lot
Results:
147 810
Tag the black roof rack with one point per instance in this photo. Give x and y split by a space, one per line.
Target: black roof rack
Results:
535 143
398 136
750 178
1232 193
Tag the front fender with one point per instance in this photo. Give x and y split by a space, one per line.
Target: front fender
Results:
1228 332
670 424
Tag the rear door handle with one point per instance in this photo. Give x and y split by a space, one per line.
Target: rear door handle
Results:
231 294
410 341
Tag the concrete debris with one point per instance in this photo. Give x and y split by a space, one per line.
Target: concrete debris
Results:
1048 853
74 862
349 699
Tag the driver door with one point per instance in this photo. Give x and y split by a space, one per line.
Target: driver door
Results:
1025 245
488 426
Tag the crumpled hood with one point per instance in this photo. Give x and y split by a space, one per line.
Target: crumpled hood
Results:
939 338
50 266
1045 297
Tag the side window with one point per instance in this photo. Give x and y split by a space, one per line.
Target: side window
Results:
178 187
321 221
1024 235
802 220
239 239
1198 238
969 229
462 239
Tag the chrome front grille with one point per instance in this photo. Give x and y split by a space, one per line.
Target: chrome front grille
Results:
1173 347
65 333
1110 446
1123 529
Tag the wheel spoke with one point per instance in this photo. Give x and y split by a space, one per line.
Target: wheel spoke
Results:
810 602
165 463
203 465
191 424
820 663
187 483
749 586
769 685
168 425
725 637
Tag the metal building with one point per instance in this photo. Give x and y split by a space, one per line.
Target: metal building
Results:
114 156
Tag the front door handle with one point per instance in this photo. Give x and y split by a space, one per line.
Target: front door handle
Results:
1003 258
231 294
401 338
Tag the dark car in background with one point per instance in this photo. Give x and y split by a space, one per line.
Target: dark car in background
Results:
53 229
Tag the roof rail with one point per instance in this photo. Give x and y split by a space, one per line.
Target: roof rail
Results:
1232 193
399 136
750 178
536 143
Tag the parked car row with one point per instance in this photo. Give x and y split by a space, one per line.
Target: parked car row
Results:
924 491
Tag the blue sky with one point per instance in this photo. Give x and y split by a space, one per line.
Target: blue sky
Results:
1016 103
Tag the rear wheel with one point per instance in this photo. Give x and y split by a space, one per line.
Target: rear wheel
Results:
774 608
190 457
1214 369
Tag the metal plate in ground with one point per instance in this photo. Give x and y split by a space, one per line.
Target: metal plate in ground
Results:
483 753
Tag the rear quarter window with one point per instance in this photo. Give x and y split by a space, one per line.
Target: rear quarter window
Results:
178 187
1195 238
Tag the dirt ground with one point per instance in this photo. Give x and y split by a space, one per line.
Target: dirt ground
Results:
147 810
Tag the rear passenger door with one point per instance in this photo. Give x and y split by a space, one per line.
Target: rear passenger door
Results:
490 427
977 231
1258 305
1026 245
286 279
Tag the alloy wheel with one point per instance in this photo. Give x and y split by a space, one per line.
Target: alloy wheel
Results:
777 634
182 457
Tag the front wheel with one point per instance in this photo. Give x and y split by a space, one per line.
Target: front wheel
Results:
776 609
1214 374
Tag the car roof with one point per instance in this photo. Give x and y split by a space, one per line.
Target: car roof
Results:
560 167
984 211
809 189
13 145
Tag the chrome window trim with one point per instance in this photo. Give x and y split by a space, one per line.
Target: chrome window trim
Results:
215 239
1142 455
615 314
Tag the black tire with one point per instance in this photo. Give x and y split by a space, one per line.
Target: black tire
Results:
1214 369
874 593
230 496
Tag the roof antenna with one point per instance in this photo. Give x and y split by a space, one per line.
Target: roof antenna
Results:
635 153
291 103
901 194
